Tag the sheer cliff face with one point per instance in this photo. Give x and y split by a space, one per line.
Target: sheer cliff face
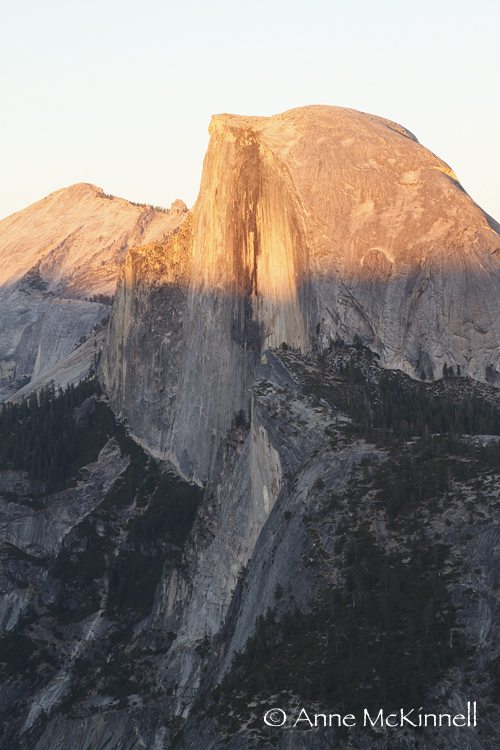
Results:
54 255
199 309
317 223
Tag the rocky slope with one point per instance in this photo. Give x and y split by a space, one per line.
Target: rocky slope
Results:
364 571
327 564
317 223
59 262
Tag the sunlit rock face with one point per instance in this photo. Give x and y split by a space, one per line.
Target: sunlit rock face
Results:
317 223
55 257
360 229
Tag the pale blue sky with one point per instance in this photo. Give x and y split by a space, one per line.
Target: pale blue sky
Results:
120 93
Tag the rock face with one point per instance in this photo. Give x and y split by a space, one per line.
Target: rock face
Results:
317 223
55 256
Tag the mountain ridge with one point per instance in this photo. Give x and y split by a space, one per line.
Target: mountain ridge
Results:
66 247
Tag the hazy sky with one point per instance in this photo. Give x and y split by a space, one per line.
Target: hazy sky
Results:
120 93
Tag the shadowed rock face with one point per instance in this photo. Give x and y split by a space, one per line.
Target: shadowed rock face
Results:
317 223
55 255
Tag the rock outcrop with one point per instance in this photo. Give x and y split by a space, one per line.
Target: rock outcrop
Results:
59 261
315 224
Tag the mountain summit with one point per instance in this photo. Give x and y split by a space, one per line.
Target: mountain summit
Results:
311 225
59 261
337 222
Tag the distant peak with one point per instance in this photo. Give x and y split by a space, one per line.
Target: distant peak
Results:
76 191
179 207
87 187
